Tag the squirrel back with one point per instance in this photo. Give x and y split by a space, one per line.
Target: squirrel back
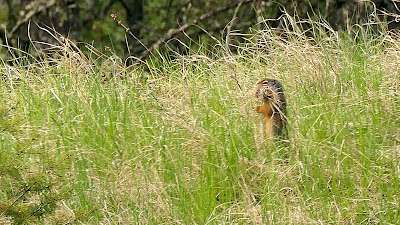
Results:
270 91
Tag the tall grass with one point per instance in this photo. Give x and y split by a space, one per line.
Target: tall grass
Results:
178 141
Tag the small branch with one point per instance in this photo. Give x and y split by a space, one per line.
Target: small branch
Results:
29 15
230 25
172 32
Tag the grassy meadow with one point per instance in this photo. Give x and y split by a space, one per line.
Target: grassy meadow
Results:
87 140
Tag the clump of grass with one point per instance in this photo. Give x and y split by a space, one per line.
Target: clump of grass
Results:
178 140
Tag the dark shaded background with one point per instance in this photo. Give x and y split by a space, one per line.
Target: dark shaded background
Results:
149 21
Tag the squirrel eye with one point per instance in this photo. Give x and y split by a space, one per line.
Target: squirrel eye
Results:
265 82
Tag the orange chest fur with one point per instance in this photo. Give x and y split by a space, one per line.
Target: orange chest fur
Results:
266 110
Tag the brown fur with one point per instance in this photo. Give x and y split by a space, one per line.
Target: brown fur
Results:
274 107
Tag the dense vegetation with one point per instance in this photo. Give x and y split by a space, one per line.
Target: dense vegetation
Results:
24 21
85 139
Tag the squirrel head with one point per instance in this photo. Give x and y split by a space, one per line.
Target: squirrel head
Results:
268 89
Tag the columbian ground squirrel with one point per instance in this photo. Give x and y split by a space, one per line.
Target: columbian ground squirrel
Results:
270 91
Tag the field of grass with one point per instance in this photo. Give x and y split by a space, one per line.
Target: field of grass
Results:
177 140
